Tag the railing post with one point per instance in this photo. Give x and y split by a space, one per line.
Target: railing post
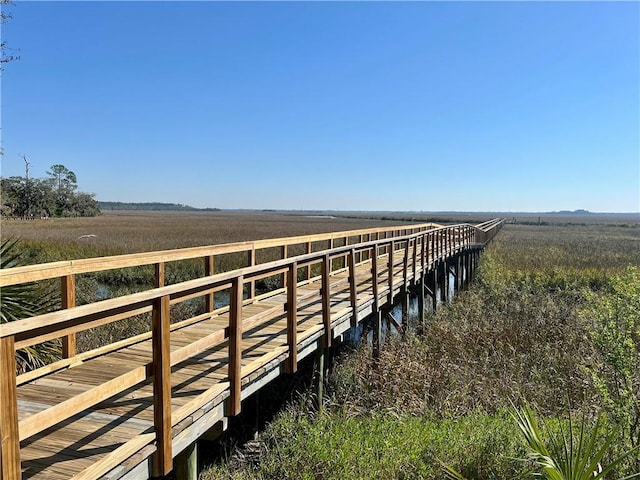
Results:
308 249
326 300
68 297
423 256
161 345
251 260
415 260
235 346
390 272
209 269
284 252
292 318
160 274
374 278
9 434
405 265
431 250
353 287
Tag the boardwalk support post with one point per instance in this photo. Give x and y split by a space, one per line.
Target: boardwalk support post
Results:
319 375
187 463
377 332
442 277
405 309
421 287
434 287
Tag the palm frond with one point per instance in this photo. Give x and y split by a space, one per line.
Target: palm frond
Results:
570 455
23 301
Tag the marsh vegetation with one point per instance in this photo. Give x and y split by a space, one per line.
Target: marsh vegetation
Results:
552 320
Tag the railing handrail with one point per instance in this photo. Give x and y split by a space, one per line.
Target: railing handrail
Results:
50 270
218 281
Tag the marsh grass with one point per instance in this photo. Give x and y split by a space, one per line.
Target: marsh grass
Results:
132 232
519 333
381 445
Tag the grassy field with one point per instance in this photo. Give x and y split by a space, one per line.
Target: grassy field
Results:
551 320
137 231
132 232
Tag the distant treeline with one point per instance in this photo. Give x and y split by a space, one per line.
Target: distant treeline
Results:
156 206
53 196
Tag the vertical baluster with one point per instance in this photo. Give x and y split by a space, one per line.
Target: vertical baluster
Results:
390 272
415 260
251 260
209 269
308 249
405 264
68 297
353 287
326 300
283 254
423 256
374 279
160 274
292 318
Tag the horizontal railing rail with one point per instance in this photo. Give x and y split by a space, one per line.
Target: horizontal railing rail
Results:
414 249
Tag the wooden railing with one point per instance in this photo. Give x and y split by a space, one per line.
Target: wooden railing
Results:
421 246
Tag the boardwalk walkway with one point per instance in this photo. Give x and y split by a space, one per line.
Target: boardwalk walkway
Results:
126 409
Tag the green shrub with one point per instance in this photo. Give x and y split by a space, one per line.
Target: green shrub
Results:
615 335
383 445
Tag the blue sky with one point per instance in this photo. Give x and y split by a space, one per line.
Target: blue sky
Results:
470 106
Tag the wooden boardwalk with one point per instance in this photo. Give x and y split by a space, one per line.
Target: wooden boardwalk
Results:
126 409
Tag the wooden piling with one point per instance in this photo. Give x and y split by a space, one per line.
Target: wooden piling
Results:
421 304
319 376
377 332
187 463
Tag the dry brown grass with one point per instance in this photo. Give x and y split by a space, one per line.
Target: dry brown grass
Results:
131 232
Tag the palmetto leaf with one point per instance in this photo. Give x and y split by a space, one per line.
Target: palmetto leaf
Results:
23 301
569 456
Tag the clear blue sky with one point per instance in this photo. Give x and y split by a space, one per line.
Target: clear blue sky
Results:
497 106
